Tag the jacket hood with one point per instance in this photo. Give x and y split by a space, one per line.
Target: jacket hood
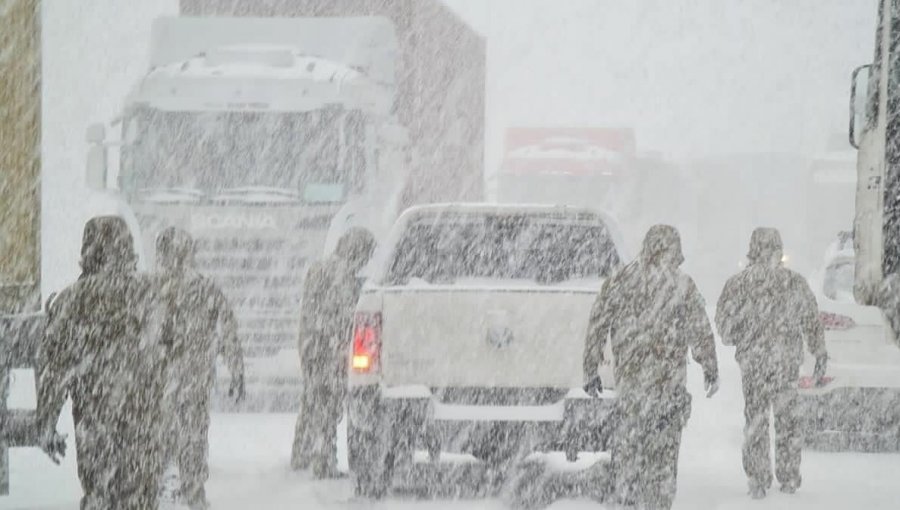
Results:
765 247
107 245
355 247
662 247
174 249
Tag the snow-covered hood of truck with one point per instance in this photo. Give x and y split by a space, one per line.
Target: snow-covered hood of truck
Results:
309 83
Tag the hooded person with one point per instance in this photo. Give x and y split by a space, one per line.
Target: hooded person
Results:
200 324
330 293
766 311
652 313
102 348
888 299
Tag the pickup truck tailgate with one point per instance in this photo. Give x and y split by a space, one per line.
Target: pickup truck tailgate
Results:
485 337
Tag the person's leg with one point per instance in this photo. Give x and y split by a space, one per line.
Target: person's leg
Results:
756 460
787 439
301 450
662 468
332 406
194 457
625 465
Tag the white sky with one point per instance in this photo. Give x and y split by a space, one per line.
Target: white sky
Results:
691 76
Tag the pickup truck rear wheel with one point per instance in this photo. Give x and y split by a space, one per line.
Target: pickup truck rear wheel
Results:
368 457
499 448
369 438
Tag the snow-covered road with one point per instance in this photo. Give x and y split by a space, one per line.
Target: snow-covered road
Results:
249 468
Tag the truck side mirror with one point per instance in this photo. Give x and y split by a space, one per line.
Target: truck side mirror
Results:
859 81
96 165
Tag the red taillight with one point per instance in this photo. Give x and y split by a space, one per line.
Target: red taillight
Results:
835 321
366 342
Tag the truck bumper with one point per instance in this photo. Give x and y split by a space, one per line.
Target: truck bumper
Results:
851 419
575 423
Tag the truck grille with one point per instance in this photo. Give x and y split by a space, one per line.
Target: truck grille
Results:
263 280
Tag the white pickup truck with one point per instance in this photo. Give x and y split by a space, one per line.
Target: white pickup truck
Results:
469 337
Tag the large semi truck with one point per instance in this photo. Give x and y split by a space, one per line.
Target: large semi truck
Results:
860 408
268 137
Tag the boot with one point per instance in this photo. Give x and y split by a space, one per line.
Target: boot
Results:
757 491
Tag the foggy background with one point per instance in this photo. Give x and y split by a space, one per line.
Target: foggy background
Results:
692 77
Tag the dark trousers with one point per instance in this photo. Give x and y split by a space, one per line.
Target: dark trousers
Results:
321 408
645 451
118 472
188 444
771 391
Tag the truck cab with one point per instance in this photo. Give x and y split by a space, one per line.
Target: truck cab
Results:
265 139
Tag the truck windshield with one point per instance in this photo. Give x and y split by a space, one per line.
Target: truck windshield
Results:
442 250
317 155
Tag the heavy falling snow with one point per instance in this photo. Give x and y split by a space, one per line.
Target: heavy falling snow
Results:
440 254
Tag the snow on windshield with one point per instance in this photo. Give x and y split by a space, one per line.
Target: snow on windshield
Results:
213 151
444 249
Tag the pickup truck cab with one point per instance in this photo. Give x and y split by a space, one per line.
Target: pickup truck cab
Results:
469 337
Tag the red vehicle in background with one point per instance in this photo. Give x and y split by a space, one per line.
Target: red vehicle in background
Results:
571 166
596 167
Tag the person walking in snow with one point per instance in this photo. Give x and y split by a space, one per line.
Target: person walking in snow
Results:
102 348
330 293
766 311
652 313
200 324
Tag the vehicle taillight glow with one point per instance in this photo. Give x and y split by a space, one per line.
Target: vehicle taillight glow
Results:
834 321
366 342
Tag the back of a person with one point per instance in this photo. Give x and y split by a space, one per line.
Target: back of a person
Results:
116 388
766 300
123 361
332 286
195 304
646 340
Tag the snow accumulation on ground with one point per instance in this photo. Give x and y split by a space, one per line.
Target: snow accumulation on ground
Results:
249 461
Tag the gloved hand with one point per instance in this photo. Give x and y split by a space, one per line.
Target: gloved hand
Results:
819 371
594 387
710 384
54 445
236 390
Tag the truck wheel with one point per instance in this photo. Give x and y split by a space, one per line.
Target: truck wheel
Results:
368 457
499 448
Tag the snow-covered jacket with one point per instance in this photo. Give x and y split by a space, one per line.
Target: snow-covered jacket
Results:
102 348
331 290
766 311
200 322
652 313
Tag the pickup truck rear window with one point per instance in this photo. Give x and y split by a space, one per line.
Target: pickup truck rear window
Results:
440 250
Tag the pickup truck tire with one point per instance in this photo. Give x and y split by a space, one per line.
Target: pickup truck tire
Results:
499 449
368 446
367 459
